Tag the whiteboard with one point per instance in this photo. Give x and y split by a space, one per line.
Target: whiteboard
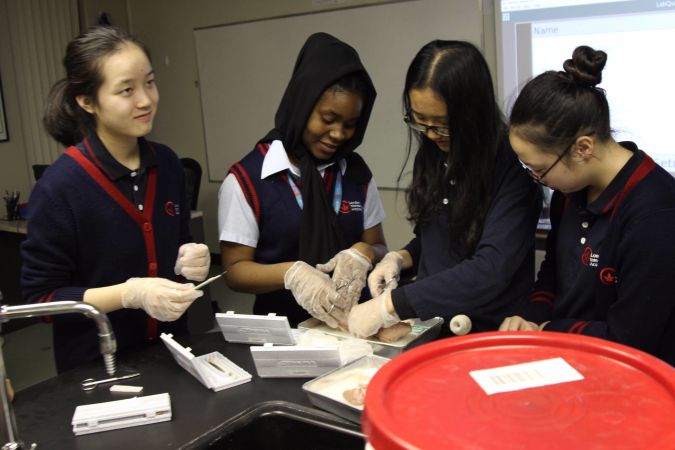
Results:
244 68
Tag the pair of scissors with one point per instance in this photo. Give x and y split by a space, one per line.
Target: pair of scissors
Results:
90 383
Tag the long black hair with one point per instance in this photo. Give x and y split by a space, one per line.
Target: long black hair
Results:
63 118
457 73
554 108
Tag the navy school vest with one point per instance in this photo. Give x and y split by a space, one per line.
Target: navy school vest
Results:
278 215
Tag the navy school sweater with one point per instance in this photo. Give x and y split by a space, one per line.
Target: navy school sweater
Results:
83 233
609 265
489 284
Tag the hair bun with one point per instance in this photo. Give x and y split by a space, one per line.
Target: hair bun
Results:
586 66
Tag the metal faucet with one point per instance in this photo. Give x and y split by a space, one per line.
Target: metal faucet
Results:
8 430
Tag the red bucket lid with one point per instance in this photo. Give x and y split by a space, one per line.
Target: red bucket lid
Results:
426 399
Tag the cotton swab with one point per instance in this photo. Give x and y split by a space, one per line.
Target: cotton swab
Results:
210 280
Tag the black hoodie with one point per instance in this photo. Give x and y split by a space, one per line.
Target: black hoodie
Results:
322 61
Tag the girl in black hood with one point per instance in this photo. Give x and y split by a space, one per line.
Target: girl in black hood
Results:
302 196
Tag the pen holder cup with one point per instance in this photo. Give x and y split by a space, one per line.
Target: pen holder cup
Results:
12 207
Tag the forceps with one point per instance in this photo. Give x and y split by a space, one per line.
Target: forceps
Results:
338 288
90 383
344 284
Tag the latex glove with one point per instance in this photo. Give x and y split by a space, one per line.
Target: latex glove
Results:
193 262
366 319
162 299
350 269
313 290
386 273
517 323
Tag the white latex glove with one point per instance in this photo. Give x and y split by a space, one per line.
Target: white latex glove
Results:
162 299
386 273
193 262
366 319
350 269
313 290
517 323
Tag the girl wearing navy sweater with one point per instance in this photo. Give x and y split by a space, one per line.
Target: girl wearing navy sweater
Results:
108 223
610 255
302 197
474 210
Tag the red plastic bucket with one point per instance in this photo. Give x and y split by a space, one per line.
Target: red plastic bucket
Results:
426 399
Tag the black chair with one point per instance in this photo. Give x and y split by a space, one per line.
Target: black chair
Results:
38 170
193 178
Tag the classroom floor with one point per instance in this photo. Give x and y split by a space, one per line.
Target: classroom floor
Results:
28 351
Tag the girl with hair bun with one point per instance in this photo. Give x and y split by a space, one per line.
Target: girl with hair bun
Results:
108 222
610 253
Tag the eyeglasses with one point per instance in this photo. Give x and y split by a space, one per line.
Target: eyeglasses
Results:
423 128
540 178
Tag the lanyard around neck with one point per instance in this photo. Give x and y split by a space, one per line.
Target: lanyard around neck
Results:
337 196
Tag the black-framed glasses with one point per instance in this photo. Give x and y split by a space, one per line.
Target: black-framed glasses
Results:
540 178
423 128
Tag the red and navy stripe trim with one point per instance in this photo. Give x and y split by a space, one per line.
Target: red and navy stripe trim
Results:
263 148
47 299
329 178
642 170
143 220
247 187
245 182
542 297
578 327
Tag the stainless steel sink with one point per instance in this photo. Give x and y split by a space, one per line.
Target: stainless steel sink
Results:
282 425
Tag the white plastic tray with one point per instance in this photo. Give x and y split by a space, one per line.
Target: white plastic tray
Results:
422 331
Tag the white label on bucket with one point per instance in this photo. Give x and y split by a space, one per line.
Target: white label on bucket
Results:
525 376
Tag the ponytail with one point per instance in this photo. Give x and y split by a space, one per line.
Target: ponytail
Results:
63 117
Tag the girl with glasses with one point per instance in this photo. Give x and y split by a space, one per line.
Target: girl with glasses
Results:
474 209
302 196
610 254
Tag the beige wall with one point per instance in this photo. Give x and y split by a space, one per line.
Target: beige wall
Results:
167 27
15 175
179 122
116 11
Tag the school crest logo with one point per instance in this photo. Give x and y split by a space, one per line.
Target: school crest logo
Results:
344 207
171 208
608 276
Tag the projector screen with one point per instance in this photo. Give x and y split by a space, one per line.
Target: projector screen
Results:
535 36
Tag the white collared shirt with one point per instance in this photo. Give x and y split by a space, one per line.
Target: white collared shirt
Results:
236 220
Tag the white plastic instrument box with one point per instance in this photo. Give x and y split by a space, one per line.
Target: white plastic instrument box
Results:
213 369
294 361
117 414
255 329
